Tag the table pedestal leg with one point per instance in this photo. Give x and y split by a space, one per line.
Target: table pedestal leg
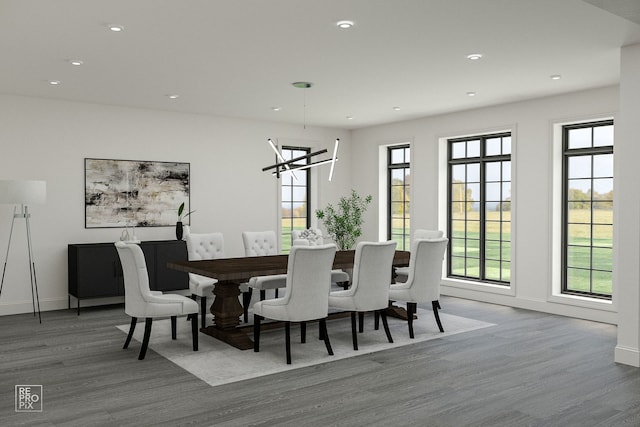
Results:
397 312
226 310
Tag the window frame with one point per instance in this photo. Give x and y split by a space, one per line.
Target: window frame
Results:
406 218
568 153
481 159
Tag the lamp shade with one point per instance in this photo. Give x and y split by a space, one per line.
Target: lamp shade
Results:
23 192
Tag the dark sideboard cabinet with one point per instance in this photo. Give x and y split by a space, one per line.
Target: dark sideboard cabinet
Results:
95 270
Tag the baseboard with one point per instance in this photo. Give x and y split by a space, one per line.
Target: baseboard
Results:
26 306
627 356
535 305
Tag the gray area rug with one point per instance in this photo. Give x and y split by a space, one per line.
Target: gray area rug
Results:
218 363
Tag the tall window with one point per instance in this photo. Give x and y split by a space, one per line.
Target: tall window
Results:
588 209
295 192
399 180
480 208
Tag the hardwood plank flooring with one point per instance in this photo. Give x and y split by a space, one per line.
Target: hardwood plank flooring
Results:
531 369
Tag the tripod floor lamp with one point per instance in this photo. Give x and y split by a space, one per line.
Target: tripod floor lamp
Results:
23 193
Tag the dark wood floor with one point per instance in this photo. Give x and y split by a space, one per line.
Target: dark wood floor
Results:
532 369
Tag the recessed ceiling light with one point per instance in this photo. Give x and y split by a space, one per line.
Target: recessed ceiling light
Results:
75 62
396 108
471 94
54 82
555 77
349 118
172 96
474 56
276 108
116 28
345 24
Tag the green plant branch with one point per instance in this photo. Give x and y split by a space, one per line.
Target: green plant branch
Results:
344 223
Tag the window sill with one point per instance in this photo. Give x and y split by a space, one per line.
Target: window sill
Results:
585 302
479 286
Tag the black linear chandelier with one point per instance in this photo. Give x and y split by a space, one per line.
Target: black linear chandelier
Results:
289 165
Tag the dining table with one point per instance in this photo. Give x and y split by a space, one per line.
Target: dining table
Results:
230 273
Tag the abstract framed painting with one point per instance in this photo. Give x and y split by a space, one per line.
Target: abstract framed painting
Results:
138 193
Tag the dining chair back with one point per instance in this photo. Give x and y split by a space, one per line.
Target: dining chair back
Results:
402 273
369 289
420 233
141 302
306 297
313 237
371 275
260 243
423 281
203 246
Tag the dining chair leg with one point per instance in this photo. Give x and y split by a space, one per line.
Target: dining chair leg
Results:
194 331
132 327
411 309
303 332
246 300
287 340
436 305
354 335
256 332
145 340
385 324
325 334
174 320
203 310
193 297
361 321
376 320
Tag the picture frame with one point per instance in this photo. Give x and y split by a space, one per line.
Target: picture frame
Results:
134 193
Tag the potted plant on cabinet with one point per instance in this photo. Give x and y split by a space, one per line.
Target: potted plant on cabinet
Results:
344 223
181 216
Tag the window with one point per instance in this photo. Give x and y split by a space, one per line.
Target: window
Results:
295 190
588 209
399 180
479 186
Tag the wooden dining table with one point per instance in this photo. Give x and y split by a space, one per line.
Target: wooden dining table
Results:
231 272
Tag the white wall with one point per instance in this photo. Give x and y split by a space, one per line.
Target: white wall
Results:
627 209
48 139
532 124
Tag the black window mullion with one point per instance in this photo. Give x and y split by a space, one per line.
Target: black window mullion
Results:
569 153
402 166
482 161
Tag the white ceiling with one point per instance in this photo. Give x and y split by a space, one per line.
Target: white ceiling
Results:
238 58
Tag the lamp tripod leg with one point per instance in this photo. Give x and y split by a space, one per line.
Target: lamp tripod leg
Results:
35 300
6 258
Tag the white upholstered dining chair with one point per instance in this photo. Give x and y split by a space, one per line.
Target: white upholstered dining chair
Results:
260 243
306 297
141 302
402 273
369 289
314 238
423 283
202 246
